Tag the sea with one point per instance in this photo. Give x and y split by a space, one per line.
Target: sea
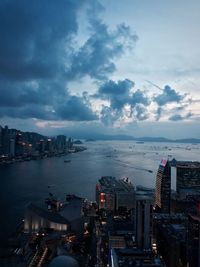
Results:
32 181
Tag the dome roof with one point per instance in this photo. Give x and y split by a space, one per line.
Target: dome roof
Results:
63 261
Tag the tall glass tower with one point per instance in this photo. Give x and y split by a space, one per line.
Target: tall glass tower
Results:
163 187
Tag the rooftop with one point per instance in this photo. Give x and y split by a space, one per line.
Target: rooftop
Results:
185 164
48 215
111 183
134 257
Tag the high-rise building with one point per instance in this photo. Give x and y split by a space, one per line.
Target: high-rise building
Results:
12 147
112 194
49 145
70 143
179 176
133 257
187 175
1 141
41 146
143 221
171 243
5 140
194 241
61 143
163 187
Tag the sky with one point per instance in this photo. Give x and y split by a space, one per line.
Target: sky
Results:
88 67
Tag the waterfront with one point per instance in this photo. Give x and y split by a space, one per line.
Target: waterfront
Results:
32 181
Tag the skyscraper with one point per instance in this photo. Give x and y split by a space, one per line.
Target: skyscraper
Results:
1 141
194 240
163 187
187 175
143 221
178 176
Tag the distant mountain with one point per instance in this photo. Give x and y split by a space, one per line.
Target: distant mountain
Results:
34 137
147 139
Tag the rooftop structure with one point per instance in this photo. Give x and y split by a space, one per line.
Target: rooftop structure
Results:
134 257
37 218
68 216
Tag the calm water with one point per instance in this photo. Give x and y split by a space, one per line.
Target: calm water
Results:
30 181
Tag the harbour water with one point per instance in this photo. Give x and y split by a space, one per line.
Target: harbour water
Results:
32 181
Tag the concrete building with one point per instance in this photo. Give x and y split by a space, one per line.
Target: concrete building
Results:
113 194
187 175
1 140
179 176
171 244
133 257
194 240
68 217
61 143
41 146
12 147
144 206
37 219
49 145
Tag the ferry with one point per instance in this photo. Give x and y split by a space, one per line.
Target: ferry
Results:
67 160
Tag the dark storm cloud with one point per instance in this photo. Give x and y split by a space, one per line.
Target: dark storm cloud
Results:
139 97
178 117
47 100
159 112
18 94
116 92
95 57
74 109
34 35
141 112
109 116
168 95
116 88
37 57
120 95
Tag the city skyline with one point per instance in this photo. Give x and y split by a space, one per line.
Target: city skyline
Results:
100 67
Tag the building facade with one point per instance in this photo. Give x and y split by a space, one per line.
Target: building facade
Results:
194 240
113 194
163 187
179 176
143 221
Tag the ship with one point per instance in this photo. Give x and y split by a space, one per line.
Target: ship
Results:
67 160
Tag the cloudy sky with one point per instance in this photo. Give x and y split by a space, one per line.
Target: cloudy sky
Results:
88 67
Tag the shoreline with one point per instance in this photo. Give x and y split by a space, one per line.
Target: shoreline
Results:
4 161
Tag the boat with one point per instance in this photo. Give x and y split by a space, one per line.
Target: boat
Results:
67 160
150 171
